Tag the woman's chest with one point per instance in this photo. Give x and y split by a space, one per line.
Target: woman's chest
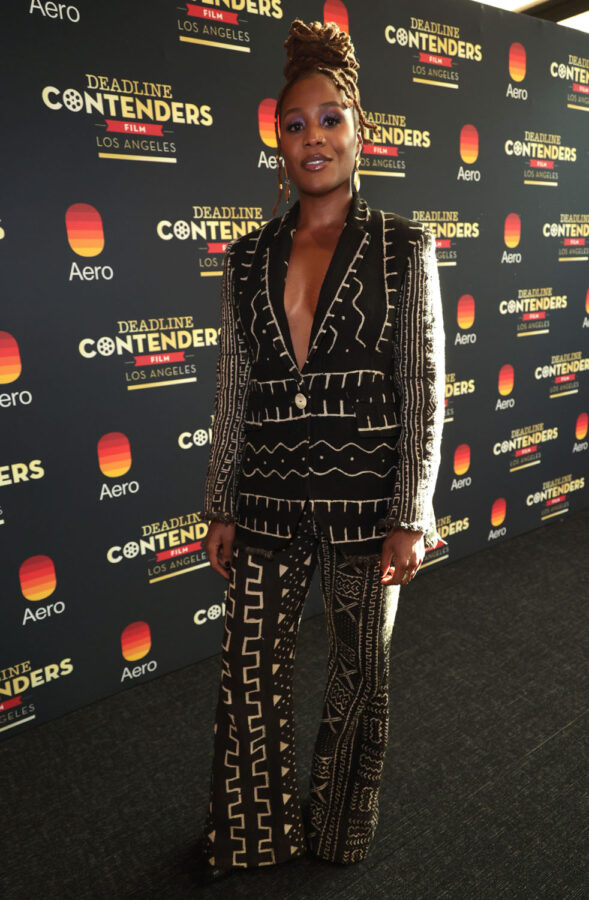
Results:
306 269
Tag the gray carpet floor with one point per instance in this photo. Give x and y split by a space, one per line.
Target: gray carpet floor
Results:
485 784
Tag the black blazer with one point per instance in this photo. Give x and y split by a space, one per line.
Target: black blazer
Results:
358 429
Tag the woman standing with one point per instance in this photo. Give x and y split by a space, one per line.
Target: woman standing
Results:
325 451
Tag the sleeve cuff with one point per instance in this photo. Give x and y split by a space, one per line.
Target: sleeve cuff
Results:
212 516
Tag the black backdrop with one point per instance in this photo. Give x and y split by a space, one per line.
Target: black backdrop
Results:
137 139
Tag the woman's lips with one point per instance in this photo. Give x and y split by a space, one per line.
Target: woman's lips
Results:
313 165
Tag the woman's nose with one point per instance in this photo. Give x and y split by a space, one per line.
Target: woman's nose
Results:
313 135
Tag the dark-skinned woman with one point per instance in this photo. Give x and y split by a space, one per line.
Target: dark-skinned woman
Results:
325 451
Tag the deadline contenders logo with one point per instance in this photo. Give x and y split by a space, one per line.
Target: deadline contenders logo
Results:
200 437
19 679
523 445
448 229
552 497
572 232
437 49
212 227
531 309
455 387
135 119
156 352
446 527
541 152
385 150
170 548
563 371
576 71
223 23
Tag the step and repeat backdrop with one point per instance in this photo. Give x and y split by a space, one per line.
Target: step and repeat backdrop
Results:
137 140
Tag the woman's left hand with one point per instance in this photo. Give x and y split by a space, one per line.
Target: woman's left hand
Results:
402 555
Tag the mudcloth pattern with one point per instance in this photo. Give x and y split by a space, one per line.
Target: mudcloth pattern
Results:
254 816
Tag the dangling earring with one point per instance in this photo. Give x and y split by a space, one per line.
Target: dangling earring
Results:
287 187
281 187
356 167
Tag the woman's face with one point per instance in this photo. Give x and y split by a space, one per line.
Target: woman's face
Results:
319 137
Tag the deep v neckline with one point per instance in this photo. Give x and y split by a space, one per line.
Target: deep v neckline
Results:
325 284
337 283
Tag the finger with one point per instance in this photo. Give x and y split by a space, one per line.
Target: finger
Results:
388 575
398 574
227 553
386 561
407 572
216 560
220 568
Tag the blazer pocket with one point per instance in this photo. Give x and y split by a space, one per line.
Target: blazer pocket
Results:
376 418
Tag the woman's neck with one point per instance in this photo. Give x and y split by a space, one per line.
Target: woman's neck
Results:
324 211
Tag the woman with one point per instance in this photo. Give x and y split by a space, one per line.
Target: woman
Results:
325 451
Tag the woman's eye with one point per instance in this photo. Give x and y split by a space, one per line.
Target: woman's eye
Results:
331 120
294 126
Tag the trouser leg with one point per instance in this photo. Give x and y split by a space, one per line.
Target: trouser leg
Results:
254 813
350 747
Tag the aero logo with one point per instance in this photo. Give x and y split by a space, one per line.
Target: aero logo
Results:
335 11
10 364
498 511
581 426
587 302
37 577
266 111
84 229
512 230
505 379
517 61
135 640
114 454
465 311
469 144
461 459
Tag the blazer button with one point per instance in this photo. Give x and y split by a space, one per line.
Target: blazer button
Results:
300 400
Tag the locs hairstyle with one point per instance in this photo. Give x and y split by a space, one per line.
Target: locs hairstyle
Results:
318 48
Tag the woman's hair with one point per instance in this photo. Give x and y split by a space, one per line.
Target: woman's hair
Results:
326 49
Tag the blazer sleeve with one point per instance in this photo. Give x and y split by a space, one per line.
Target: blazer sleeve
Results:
419 378
233 380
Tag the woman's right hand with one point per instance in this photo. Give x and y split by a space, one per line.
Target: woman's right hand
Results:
219 546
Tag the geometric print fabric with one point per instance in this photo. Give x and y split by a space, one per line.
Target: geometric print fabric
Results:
254 816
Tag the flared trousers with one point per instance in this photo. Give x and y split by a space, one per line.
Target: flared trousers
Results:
254 815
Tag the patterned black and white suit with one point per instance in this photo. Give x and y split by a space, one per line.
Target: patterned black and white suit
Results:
314 466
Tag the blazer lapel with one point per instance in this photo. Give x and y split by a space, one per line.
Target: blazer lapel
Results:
337 284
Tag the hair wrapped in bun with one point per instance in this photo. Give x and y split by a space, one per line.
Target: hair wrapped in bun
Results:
315 47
